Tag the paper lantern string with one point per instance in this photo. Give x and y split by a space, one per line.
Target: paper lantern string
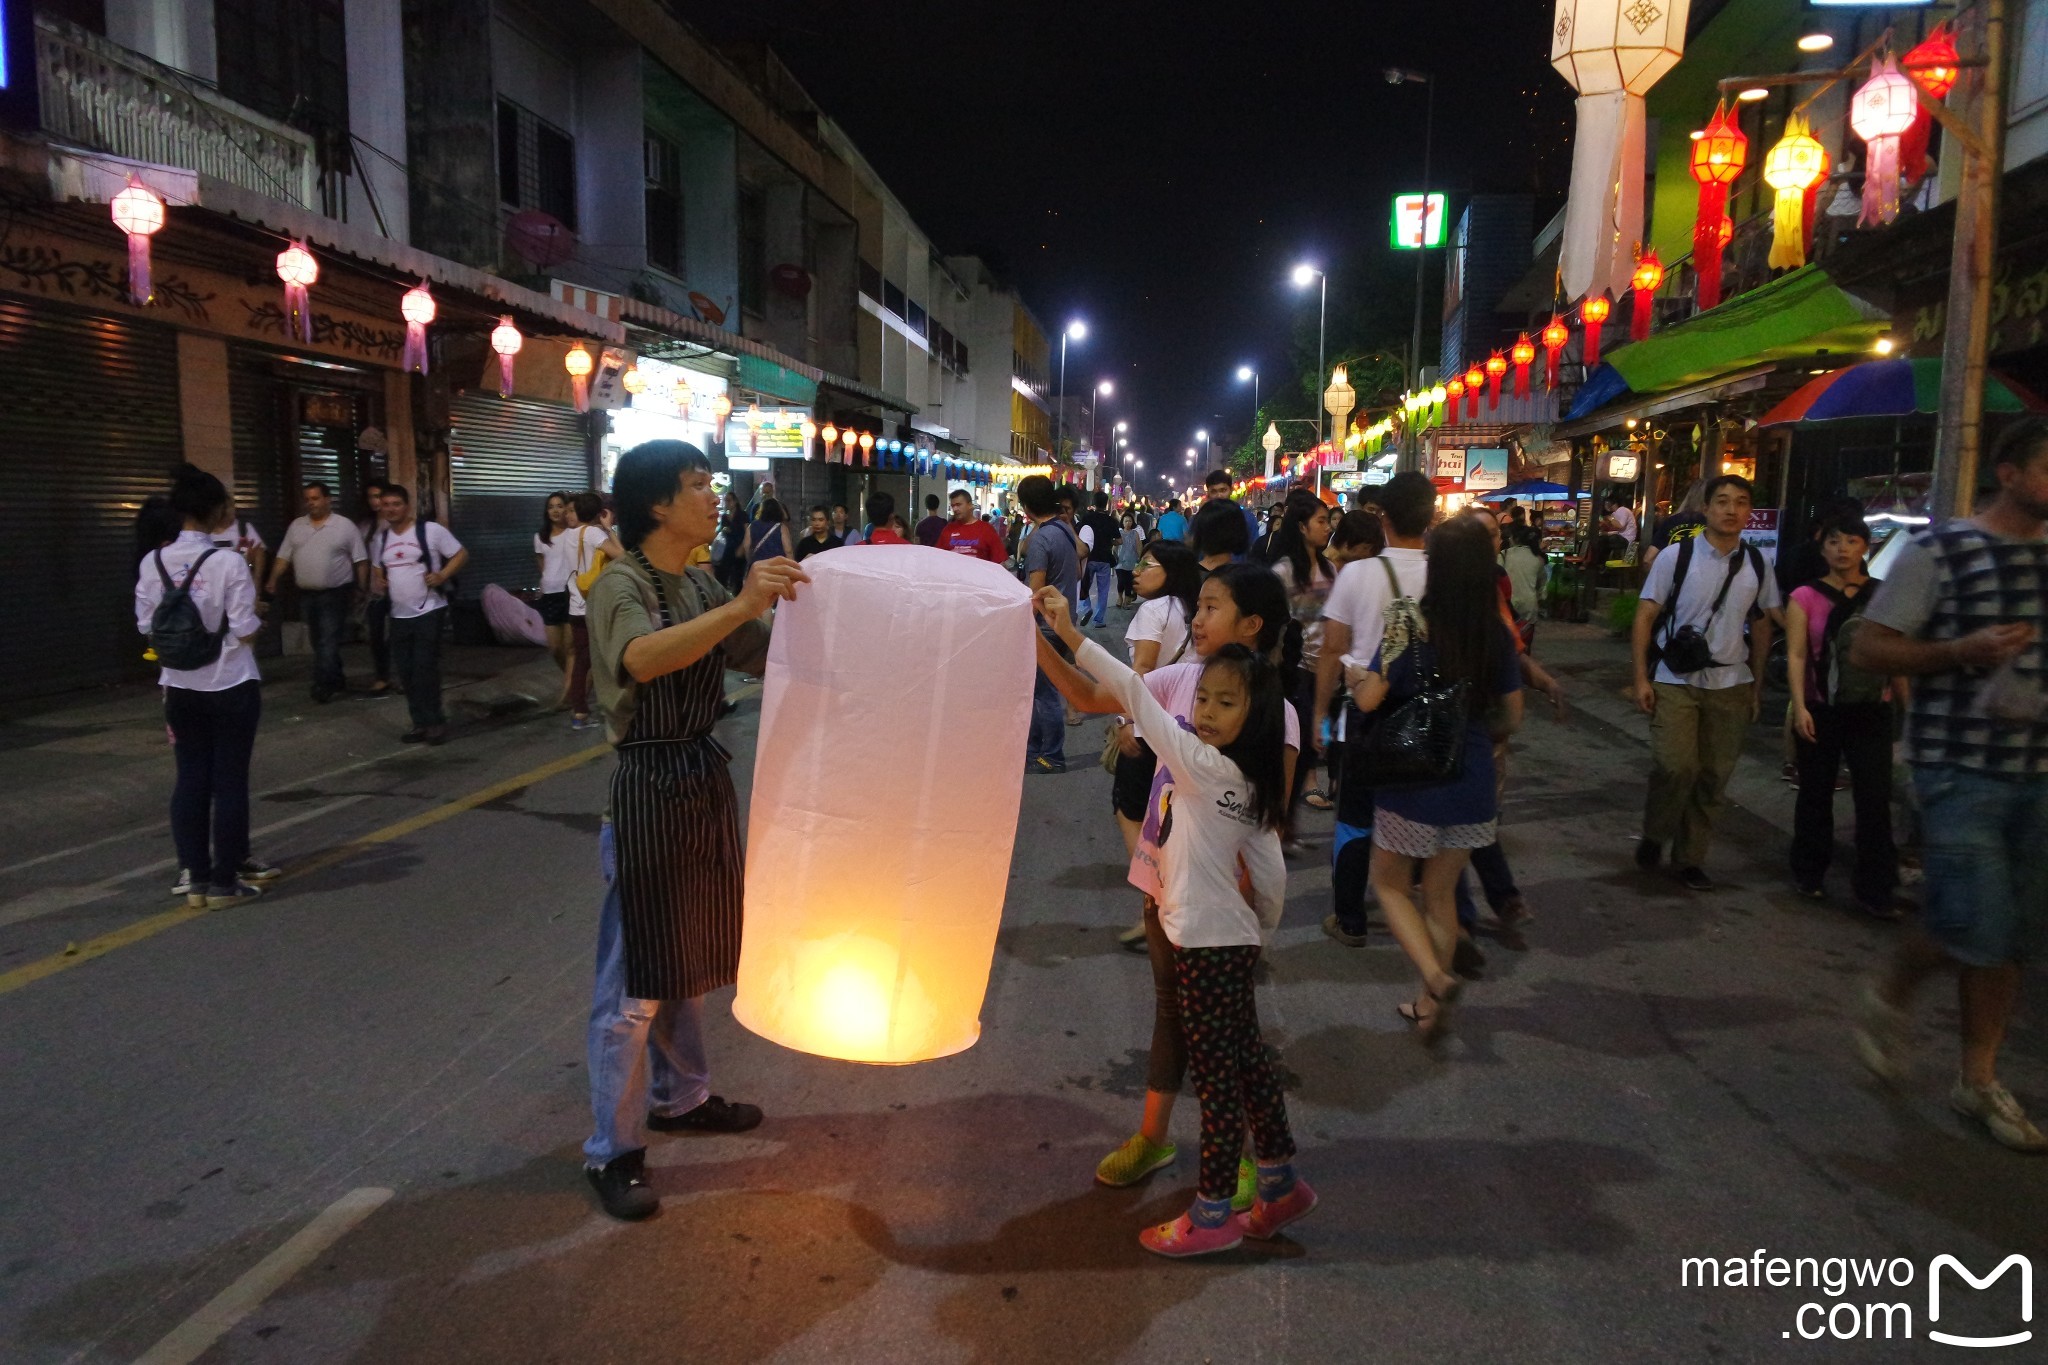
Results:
1555 335
1523 354
1933 65
579 364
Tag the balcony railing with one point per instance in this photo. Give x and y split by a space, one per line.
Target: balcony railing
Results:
101 95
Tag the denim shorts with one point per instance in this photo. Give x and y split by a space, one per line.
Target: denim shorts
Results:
1986 853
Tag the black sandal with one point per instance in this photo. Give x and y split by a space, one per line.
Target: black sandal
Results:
1432 1029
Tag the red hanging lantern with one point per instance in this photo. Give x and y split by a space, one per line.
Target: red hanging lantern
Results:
1593 311
139 213
1454 394
1496 366
1648 275
1555 335
1523 354
1933 66
299 271
1718 157
1475 380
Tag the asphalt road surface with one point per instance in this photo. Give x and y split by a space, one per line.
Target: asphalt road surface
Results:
342 1123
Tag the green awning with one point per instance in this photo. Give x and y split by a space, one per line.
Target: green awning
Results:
775 381
1800 314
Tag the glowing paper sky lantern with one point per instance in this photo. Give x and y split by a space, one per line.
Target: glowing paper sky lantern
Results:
1795 165
578 363
506 341
299 271
1555 335
1718 156
417 308
1882 111
139 213
1933 66
872 906
1612 52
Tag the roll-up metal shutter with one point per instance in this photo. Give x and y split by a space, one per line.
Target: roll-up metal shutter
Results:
512 455
90 412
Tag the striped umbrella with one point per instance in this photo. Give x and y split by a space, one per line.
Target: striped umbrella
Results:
1889 388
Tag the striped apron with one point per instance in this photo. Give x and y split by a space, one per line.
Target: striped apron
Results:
676 824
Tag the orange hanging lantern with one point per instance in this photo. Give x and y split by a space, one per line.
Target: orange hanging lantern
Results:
1794 166
139 213
1496 366
851 438
1934 66
829 435
299 271
1593 311
867 449
1555 335
578 363
1523 354
721 408
1475 380
1454 393
1882 112
809 430
1718 157
506 341
1649 274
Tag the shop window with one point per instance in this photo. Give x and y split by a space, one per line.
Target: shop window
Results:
871 281
892 297
664 170
289 62
536 164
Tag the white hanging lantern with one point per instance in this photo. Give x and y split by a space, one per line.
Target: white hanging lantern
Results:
1882 112
139 213
299 271
506 341
1612 52
417 308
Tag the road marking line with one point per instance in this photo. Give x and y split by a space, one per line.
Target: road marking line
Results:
194 1336
35 971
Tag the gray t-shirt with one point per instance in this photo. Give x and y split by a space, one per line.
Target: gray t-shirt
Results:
323 556
1052 552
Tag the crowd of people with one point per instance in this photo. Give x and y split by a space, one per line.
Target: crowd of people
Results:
1371 662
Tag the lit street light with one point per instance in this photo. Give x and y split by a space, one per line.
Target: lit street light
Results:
1077 330
1246 372
1304 275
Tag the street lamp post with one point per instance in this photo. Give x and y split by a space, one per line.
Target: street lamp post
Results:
1302 275
1411 449
1078 331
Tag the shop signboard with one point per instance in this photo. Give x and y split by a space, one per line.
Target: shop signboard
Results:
1447 468
1418 221
1486 469
1620 466
1342 482
1762 532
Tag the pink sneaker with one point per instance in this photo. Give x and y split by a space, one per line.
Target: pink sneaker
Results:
1266 1219
1182 1238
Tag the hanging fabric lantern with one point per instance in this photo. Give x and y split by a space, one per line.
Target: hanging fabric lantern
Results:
578 363
721 408
867 449
1555 335
299 271
1523 354
417 308
1593 312
1649 274
1436 413
829 435
851 439
753 428
1475 380
632 381
506 341
1718 157
1933 66
139 213
1881 112
809 432
1496 367
1454 394
1795 165
1612 52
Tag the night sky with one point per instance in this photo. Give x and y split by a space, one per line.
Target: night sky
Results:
1158 171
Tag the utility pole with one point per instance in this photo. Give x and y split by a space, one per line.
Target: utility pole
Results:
1966 340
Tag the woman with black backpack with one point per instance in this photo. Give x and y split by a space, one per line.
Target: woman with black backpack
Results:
197 604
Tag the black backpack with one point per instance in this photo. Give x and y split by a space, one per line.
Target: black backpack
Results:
1841 683
177 632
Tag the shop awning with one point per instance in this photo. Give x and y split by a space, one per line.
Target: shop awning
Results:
775 381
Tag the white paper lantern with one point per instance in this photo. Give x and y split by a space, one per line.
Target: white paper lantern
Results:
872 905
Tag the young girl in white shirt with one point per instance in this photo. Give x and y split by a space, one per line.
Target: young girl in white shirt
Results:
1229 800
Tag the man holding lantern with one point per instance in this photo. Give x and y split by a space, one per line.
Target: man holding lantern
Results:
662 634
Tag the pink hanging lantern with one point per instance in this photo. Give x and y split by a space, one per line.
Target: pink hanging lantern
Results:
1882 112
417 308
579 364
139 213
506 341
299 271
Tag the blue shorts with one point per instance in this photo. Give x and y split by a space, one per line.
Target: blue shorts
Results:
1986 852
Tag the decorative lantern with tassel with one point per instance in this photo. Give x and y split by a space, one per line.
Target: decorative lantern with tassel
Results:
1593 311
1648 276
829 434
1496 367
299 271
753 419
506 341
1555 335
867 449
1454 394
632 381
417 308
1523 354
721 408
1791 168
851 439
140 214
1718 157
1475 380
809 431
1933 66
1882 111
578 363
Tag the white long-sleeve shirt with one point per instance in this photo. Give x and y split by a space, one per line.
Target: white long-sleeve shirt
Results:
222 585
1200 905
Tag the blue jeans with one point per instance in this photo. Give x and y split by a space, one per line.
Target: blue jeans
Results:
1048 736
644 1054
1095 581
416 655
1985 847
326 613
213 734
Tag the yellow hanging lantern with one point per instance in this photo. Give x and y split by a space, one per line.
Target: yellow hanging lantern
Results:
1791 168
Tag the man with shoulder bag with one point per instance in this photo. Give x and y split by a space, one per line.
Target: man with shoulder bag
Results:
1693 680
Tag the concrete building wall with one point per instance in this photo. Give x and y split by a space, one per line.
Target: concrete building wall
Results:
376 114
178 33
610 179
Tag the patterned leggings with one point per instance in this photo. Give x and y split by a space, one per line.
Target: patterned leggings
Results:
1234 1078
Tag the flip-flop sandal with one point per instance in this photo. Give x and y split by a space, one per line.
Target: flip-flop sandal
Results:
1432 1029
1315 800
1406 1009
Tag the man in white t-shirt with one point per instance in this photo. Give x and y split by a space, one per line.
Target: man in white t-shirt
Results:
411 562
328 562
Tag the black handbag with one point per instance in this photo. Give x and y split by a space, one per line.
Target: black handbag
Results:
1420 742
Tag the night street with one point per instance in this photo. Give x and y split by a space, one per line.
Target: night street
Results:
1660 1076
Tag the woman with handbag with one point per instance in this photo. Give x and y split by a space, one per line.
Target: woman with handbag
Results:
1447 680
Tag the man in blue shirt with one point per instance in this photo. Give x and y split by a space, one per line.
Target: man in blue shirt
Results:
1172 525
